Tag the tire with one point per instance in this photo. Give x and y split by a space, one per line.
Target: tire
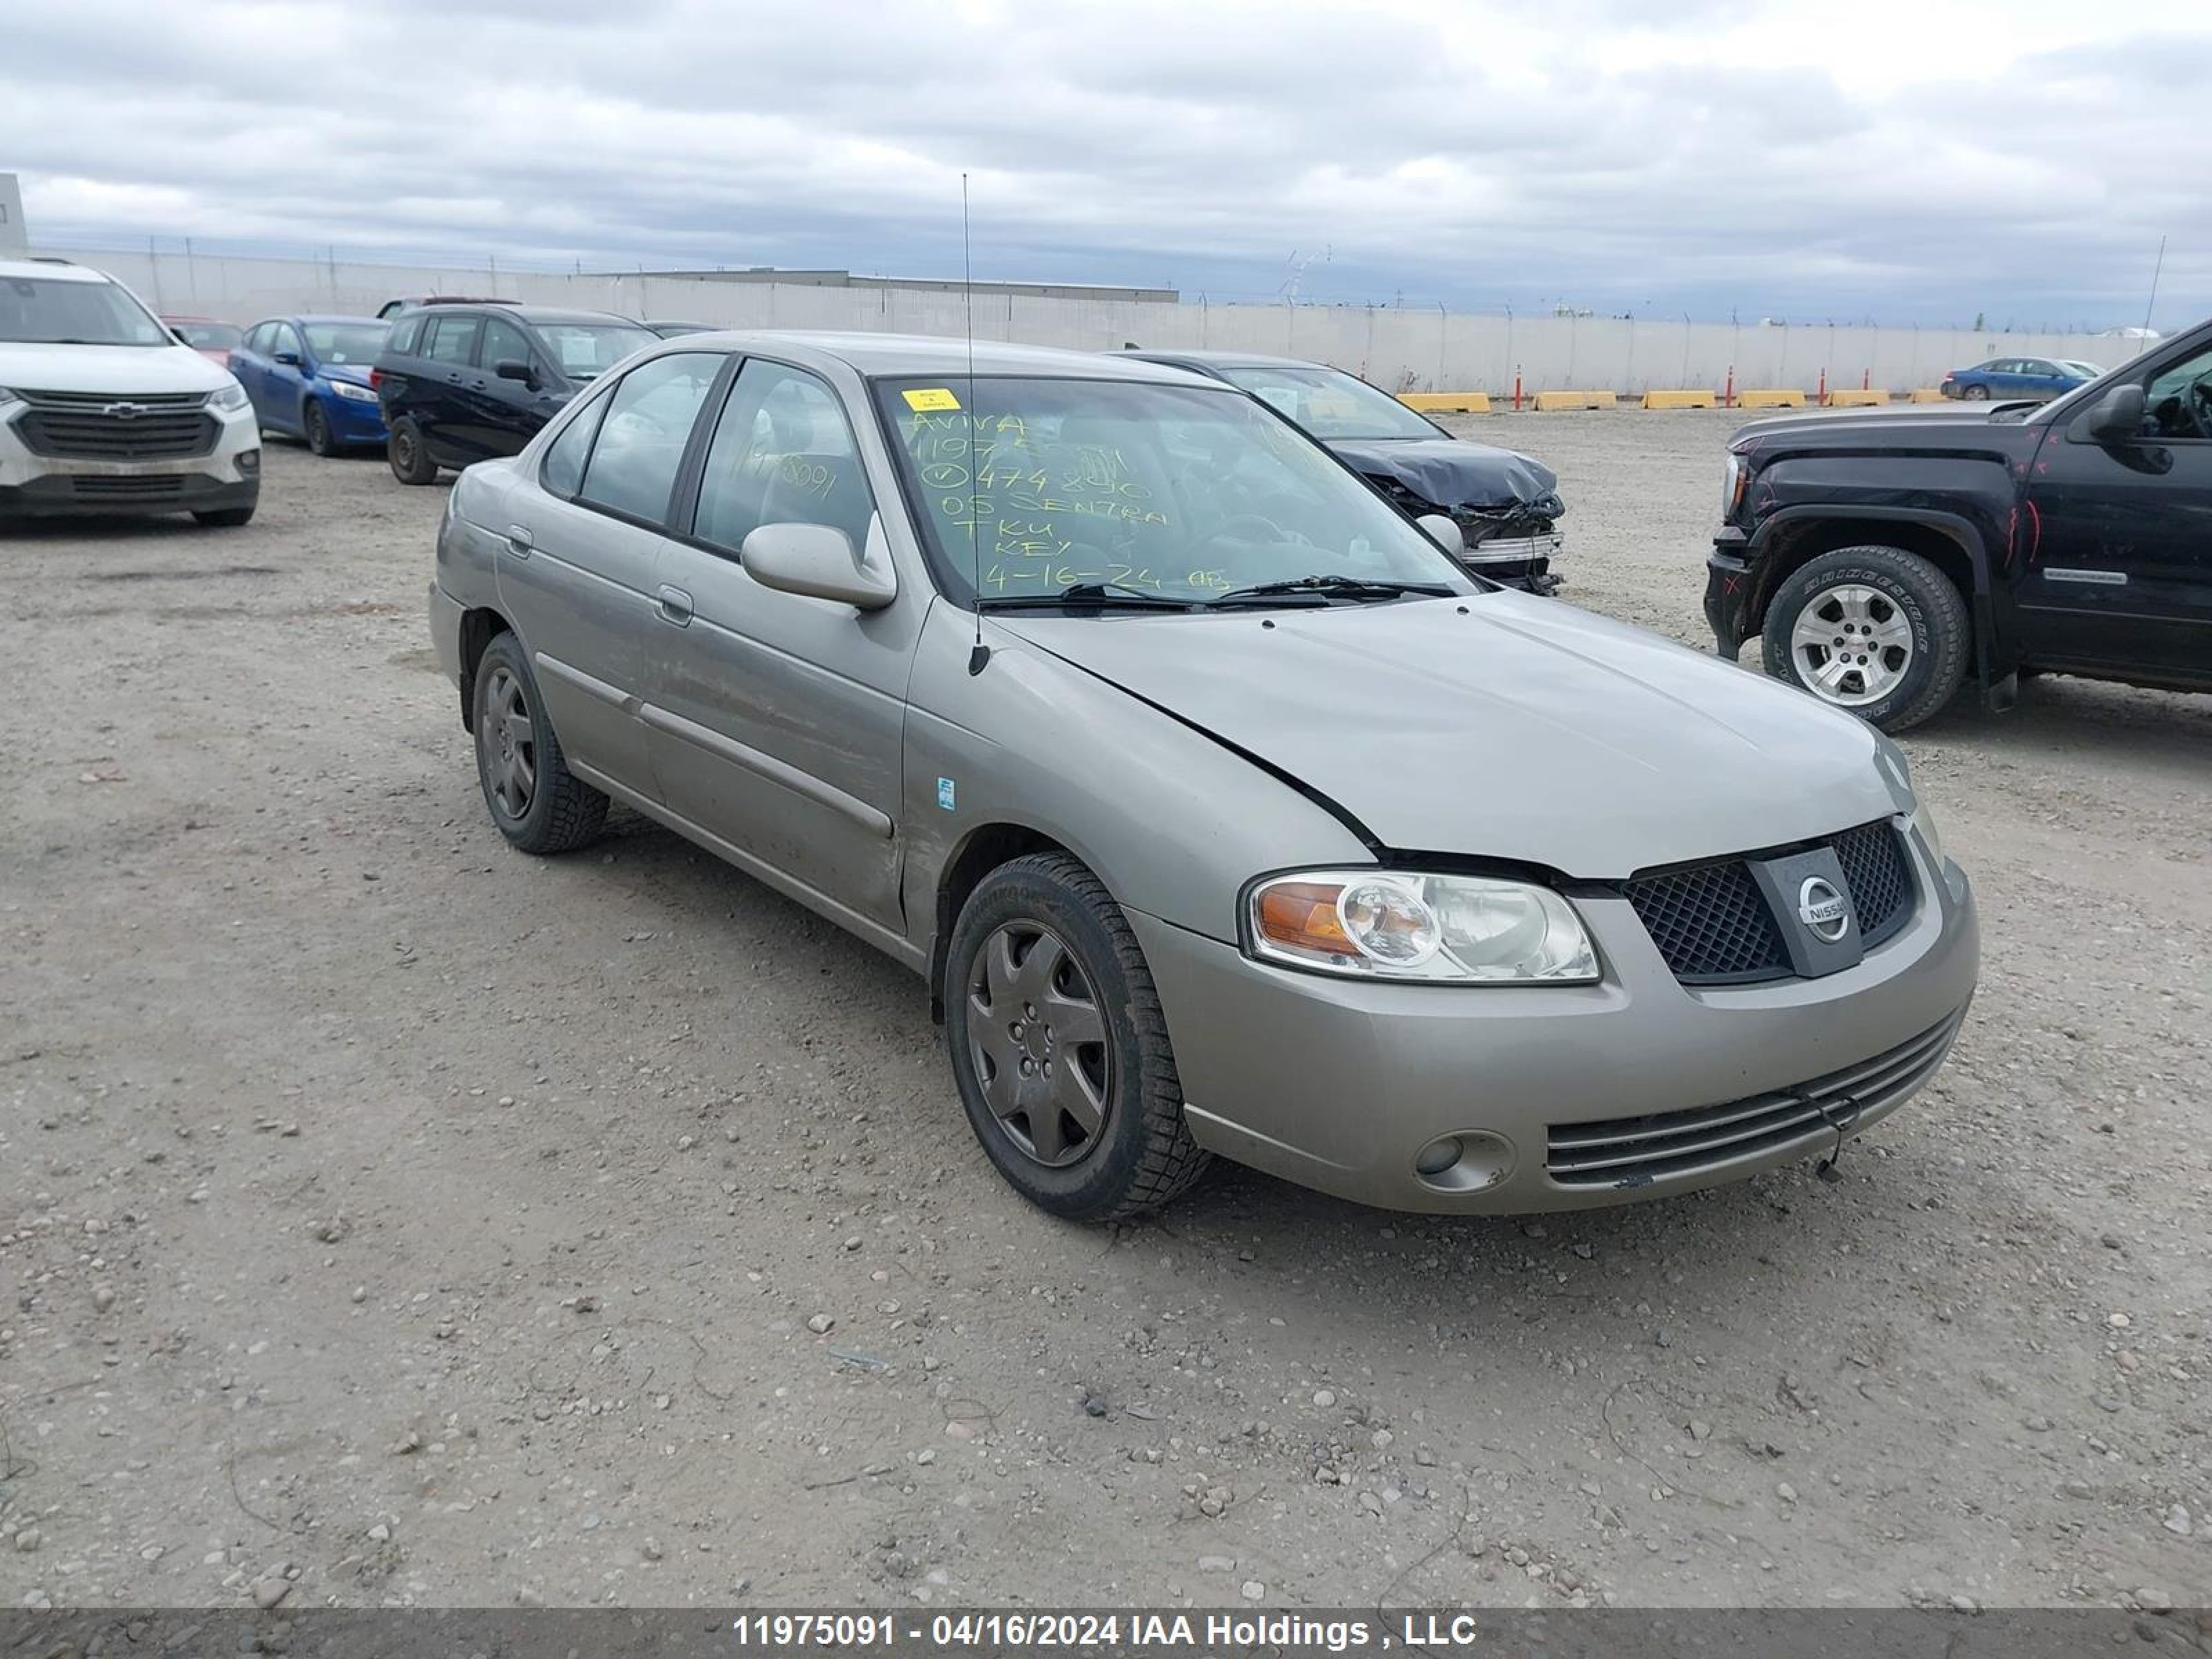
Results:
534 800
1914 618
409 455
224 518
315 427
1139 1153
1976 394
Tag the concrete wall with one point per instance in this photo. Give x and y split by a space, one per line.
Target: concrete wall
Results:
1403 350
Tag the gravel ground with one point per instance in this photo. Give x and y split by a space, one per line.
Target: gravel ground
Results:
389 1218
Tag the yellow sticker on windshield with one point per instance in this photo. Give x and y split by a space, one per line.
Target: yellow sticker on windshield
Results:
931 398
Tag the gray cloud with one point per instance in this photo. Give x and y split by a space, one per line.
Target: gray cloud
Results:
1915 162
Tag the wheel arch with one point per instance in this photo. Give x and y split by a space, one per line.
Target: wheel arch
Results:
982 850
479 628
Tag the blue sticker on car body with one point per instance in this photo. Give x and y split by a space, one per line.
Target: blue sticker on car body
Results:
944 794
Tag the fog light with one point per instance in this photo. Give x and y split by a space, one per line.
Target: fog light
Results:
1438 1156
249 461
1471 1161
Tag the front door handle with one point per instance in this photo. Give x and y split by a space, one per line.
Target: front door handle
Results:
519 540
676 607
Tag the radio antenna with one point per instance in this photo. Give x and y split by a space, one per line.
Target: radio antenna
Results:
979 653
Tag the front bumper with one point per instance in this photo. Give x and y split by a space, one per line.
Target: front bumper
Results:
1523 562
1339 1085
226 474
1727 591
353 421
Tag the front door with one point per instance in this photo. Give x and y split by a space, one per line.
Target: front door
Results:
778 720
2119 537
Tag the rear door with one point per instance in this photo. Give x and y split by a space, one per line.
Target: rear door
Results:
445 362
2119 562
778 720
282 381
249 362
580 567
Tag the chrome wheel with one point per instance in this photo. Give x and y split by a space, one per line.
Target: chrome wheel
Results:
508 738
1038 1039
1852 644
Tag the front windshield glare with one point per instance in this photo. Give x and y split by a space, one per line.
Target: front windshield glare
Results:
1331 405
37 308
346 342
1037 485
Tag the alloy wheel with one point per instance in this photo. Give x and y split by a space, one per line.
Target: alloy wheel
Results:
509 737
1038 1039
1852 644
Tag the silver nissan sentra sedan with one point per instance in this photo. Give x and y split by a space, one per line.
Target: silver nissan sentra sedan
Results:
1221 812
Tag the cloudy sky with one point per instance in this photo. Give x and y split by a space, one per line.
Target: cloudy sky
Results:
1910 160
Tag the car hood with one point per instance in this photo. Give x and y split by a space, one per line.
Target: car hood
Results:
1903 427
1500 726
120 369
1446 473
353 373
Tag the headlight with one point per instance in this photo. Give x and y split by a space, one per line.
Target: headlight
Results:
230 396
1923 824
348 389
1733 480
1393 924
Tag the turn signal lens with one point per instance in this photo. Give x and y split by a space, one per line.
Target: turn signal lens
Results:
1301 915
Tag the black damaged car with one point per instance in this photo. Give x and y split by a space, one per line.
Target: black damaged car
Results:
1886 558
1506 505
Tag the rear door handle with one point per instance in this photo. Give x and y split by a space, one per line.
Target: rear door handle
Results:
518 541
676 607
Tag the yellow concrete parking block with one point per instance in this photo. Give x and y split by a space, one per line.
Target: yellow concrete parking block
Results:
1681 400
1447 402
1778 398
1924 394
1844 397
1574 400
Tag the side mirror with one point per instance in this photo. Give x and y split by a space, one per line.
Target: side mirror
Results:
819 563
2117 416
291 358
1443 532
508 368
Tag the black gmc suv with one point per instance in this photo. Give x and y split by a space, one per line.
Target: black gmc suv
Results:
462 381
1885 556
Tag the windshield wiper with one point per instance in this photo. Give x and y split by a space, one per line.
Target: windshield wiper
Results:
1095 595
1350 587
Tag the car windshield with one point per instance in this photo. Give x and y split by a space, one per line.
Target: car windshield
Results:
1030 487
1330 403
587 350
210 336
346 342
66 312
2090 370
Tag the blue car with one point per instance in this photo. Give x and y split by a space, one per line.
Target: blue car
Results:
2011 378
308 378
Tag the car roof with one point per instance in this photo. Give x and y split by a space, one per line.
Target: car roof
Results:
57 271
1219 358
947 356
331 316
526 313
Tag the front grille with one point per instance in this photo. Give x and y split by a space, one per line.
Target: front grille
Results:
1635 1151
158 487
1711 923
86 426
1880 879
1714 926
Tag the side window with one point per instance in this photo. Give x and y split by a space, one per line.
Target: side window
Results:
562 471
286 339
642 435
2181 399
783 453
257 338
452 339
504 342
403 335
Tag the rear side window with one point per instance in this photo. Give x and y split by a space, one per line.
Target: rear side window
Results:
562 471
403 335
642 437
258 341
783 453
452 339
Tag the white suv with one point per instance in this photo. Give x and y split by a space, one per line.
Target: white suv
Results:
103 409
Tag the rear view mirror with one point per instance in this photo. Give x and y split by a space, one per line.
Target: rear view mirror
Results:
509 368
2117 415
818 562
1443 532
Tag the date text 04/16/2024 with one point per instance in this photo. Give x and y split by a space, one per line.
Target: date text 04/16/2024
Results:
1080 1631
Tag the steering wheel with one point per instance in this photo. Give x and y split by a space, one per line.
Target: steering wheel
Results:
1243 525
2196 404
